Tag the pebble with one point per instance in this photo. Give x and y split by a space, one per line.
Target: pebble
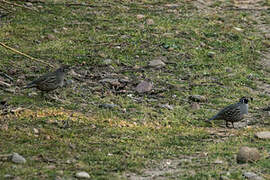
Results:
263 135
16 158
218 161
247 154
140 16
150 22
211 54
51 37
144 86
252 176
107 61
36 131
157 63
29 4
83 175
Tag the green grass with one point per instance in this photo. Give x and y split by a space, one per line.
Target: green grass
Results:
138 134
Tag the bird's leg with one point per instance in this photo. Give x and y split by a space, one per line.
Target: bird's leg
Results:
227 124
232 125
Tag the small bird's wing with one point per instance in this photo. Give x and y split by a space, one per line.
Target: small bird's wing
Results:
39 80
224 111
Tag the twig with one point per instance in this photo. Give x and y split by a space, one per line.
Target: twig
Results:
23 54
18 5
88 5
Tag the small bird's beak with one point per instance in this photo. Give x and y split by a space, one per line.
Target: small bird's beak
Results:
251 98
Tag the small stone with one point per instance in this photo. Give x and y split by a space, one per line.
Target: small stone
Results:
246 154
16 158
82 174
195 106
157 63
55 31
107 61
29 4
211 54
60 172
218 161
140 16
263 135
36 131
267 36
150 22
252 176
51 37
198 98
144 86
50 167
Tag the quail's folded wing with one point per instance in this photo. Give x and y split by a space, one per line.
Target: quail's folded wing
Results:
227 111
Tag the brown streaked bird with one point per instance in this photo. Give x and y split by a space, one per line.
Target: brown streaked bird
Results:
50 81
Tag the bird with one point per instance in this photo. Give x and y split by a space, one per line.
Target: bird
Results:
50 81
233 113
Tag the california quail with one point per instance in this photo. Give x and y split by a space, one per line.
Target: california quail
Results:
50 81
233 113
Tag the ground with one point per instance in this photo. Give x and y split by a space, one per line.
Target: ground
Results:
99 123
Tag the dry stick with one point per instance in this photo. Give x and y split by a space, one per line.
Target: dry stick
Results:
88 5
18 5
30 57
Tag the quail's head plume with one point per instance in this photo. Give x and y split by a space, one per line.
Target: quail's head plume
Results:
50 81
234 112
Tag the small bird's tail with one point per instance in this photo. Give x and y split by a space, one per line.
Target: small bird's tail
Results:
31 85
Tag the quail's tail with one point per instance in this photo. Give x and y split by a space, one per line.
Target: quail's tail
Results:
212 118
